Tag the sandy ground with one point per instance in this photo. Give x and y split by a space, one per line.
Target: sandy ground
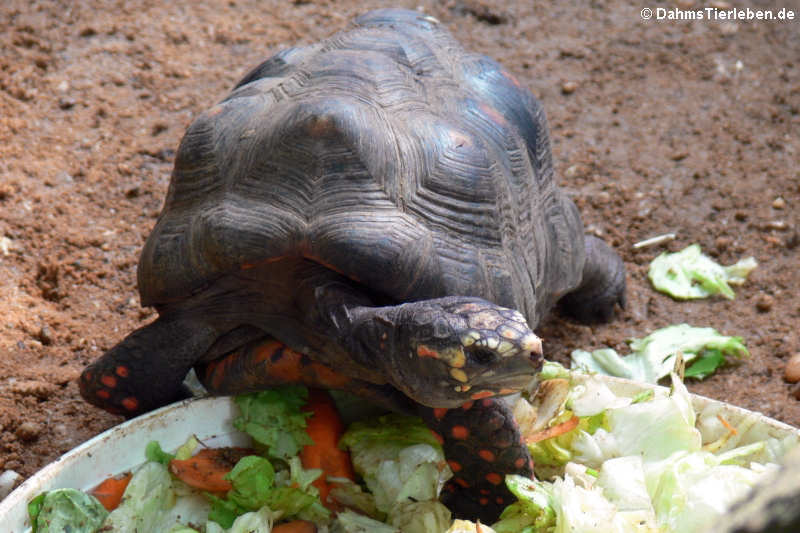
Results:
657 126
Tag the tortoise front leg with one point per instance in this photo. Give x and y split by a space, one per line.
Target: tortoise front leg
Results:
482 444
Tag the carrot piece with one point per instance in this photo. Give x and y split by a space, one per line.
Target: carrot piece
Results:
325 428
295 526
206 470
727 425
110 491
555 431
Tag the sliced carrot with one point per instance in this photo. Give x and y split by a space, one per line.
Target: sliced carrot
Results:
727 425
295 526
206 470
110 491
555 431
325 428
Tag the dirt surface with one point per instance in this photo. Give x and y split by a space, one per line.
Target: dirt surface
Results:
659 126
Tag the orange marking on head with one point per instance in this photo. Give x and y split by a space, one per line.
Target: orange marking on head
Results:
467 406
424 351
486 455
487 402
483 501
461 482
122 371
519 463
455 466
104 394
439 412
109 381
500 500
494 478
130 403
459 432
481 394
437 437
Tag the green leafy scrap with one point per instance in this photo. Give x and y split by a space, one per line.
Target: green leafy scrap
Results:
689 274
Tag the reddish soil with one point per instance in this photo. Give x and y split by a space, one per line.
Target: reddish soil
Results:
685 127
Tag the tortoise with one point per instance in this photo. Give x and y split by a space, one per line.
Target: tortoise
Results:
374 213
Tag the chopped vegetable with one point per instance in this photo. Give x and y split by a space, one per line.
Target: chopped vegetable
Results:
553 431
207 470
420 517
145 501
61 510
295 526
325 428
689 274
654 356
350 522
465 526
647 464
274 419
399 459
110 491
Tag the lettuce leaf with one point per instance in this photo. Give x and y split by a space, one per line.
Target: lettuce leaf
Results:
654 356
689 274
399 459
145 501
66 510
274 419
420 517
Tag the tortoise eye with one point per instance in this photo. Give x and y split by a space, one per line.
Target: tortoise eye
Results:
483 356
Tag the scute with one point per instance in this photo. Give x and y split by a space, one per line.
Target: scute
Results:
386 152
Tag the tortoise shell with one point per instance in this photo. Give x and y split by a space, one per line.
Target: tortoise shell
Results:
387 153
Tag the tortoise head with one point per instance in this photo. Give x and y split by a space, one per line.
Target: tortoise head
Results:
453 350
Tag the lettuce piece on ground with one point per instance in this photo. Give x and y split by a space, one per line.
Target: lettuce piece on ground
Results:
145 502
66 510
399 459
653 357
274 419
689 274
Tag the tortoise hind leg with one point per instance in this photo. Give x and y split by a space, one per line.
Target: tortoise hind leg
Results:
146 369
482 444
602 285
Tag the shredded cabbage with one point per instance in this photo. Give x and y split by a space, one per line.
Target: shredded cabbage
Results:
689 274
653 357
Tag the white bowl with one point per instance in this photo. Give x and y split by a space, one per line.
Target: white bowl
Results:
121 448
